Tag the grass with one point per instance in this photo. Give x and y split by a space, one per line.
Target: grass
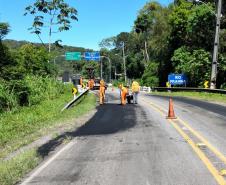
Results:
23 127
219 98
13 170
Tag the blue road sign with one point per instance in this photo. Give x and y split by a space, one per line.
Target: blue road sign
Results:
92 56
177 79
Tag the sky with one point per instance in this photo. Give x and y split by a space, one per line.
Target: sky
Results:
97 20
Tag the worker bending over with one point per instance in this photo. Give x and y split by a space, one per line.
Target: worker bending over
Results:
91 84
102 92
80 81
123 92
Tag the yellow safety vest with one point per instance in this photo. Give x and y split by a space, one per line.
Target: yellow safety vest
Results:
135 87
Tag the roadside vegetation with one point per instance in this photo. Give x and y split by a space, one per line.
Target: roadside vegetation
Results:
28 124
178 38
213 97
31 97
13 170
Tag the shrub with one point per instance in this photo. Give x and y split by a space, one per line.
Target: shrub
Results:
40 88
8 99
27 92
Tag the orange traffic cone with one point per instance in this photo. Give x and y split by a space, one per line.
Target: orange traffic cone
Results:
171 114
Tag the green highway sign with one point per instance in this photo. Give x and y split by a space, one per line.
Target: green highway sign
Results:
73 56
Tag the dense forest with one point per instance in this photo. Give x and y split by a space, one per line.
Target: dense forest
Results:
174 39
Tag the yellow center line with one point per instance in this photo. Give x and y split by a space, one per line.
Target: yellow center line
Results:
211 147
201 155
198 135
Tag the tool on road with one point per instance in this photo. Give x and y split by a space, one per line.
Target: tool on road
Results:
171 114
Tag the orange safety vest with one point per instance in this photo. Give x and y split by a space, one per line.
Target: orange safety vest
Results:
80 81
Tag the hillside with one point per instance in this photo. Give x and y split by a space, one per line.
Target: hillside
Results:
57 52
14 44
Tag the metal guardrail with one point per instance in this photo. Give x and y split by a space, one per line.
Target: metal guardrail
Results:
219 91
75 100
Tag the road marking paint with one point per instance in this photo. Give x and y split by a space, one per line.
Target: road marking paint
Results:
184 128
198 135
42 167
201 155
201 138
200 145
223 172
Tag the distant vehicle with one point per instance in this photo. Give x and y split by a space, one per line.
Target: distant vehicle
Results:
97 84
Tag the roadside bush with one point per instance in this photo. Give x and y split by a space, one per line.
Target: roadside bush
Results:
116 83
150 78
40 88
27 92
8 99
223 86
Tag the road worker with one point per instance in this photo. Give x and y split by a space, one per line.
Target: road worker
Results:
88 85
80 81
123 93
102 91
135 91
92 83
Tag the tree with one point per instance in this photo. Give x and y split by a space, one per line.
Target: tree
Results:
4 30
34 60
194 63
8 65
51 14
150 76
152 25
192 26
107 43
179 38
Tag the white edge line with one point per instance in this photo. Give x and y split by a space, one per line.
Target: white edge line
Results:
42 167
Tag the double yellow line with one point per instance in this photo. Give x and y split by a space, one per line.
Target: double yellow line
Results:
216 174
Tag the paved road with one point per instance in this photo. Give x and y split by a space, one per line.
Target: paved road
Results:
136 145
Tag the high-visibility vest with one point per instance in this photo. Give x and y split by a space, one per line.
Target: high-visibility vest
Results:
124 89
102 84
135 87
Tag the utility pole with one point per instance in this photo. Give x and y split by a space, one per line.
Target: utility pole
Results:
109 70
124 60
213 79
54 60
146 51
109 60
101 69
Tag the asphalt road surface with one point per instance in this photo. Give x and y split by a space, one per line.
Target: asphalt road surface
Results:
137 145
